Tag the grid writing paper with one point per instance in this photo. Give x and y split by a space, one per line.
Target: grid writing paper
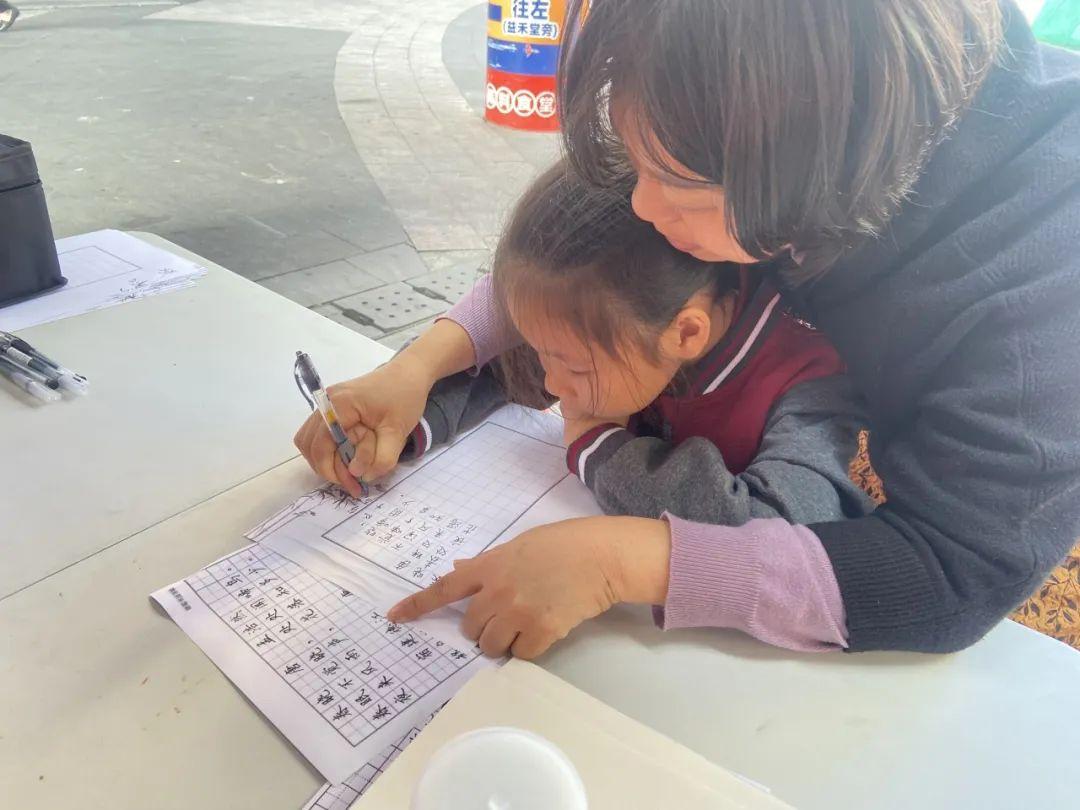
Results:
316 658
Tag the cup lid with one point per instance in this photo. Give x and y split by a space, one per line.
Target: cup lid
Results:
499 768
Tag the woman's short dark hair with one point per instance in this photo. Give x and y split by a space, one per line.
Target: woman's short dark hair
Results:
815 116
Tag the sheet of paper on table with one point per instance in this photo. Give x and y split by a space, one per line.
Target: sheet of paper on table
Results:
297 619
328 670
342 796
505 476
623 764
492 483
103 268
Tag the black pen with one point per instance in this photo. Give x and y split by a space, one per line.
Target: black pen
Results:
22 353
26 381
310 385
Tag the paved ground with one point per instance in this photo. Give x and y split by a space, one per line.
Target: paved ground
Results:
332 150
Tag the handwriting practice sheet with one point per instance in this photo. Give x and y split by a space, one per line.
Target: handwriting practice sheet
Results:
103 268
454 504
341 797
297 619
327 669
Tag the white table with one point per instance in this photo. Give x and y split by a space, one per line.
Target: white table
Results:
192 393
107 704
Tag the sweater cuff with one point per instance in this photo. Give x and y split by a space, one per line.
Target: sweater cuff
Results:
715 577
768 578
592 448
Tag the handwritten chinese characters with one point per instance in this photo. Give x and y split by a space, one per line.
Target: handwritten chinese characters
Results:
454 506
350 665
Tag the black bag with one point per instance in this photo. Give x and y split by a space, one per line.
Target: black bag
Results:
28 263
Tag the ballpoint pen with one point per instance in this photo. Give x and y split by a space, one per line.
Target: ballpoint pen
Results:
20 377
22 353
310 385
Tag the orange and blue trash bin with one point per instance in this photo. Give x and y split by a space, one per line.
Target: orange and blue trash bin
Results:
522 58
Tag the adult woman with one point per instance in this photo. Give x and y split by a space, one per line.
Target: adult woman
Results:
909 173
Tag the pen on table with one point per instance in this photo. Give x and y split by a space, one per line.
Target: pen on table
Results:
310 385
69 380
21 378
29 366
22 353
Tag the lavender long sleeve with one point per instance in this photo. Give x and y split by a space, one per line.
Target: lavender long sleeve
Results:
480 317
768 578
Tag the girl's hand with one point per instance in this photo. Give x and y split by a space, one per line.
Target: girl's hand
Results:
532 591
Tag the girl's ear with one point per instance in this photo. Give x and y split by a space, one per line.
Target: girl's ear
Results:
687 337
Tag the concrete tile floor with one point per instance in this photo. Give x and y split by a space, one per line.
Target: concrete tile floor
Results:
335 153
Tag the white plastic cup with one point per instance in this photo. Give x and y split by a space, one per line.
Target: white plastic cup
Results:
499 768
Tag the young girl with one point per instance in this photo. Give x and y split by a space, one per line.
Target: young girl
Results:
689 392
907 173
686 387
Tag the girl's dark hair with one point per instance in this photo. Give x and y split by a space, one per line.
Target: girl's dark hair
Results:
576 253
815 116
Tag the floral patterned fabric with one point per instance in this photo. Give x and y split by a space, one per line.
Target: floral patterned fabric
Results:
1054 609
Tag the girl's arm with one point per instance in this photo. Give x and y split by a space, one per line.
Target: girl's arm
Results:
769 577
456 403
800 473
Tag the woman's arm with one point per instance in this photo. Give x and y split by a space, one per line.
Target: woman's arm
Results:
480 316
456 403
768 578
379 411
442 349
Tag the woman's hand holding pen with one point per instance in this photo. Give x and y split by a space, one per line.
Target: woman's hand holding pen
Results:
377 412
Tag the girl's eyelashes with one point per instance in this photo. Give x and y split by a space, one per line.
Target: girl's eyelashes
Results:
553 358
571 370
